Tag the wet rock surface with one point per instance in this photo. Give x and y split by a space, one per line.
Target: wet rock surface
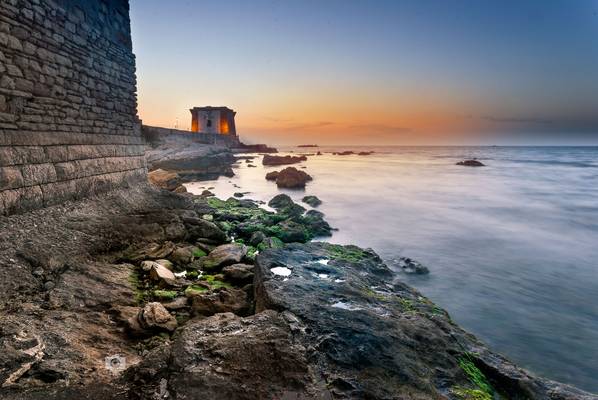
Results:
370 336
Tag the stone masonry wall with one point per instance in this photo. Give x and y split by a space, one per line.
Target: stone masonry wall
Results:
68 105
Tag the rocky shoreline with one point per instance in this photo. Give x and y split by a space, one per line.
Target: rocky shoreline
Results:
145 294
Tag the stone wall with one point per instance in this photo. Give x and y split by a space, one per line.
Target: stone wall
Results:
156 135
68 106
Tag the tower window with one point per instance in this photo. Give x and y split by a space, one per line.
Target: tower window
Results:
209 123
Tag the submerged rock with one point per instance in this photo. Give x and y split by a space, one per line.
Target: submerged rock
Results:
313 201
282 160
471 163
410 266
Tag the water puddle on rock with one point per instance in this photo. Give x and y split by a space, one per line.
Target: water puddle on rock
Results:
346 306
281 271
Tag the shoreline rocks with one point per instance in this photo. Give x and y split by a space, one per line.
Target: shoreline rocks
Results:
317 320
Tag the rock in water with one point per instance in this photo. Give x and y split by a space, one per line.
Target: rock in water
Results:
272 176
312 201
155 317
281 201
224 255
471 163
292 178
410 266
282 160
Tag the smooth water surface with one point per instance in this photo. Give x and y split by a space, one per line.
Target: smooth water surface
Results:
512 247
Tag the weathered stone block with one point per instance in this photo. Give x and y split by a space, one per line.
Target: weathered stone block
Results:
36 174
10 178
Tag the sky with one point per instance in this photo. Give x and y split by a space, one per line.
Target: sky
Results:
374 71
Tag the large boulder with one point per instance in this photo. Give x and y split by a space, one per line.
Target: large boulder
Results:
282 160
292 178
220 301
155 317
168 180
200 228
227 357
224 255
239 273
162 275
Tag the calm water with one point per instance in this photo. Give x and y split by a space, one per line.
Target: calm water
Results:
512 247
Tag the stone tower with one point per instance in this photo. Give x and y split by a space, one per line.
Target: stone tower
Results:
220 120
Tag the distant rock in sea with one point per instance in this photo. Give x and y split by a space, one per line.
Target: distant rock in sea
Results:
282 160
471 163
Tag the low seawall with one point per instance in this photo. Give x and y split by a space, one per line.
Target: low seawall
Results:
155 135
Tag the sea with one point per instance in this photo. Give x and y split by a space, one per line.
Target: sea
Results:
512 247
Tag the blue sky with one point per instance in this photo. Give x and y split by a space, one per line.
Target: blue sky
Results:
394 70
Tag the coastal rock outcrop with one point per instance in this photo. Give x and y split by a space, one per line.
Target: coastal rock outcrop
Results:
373 337
282 160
